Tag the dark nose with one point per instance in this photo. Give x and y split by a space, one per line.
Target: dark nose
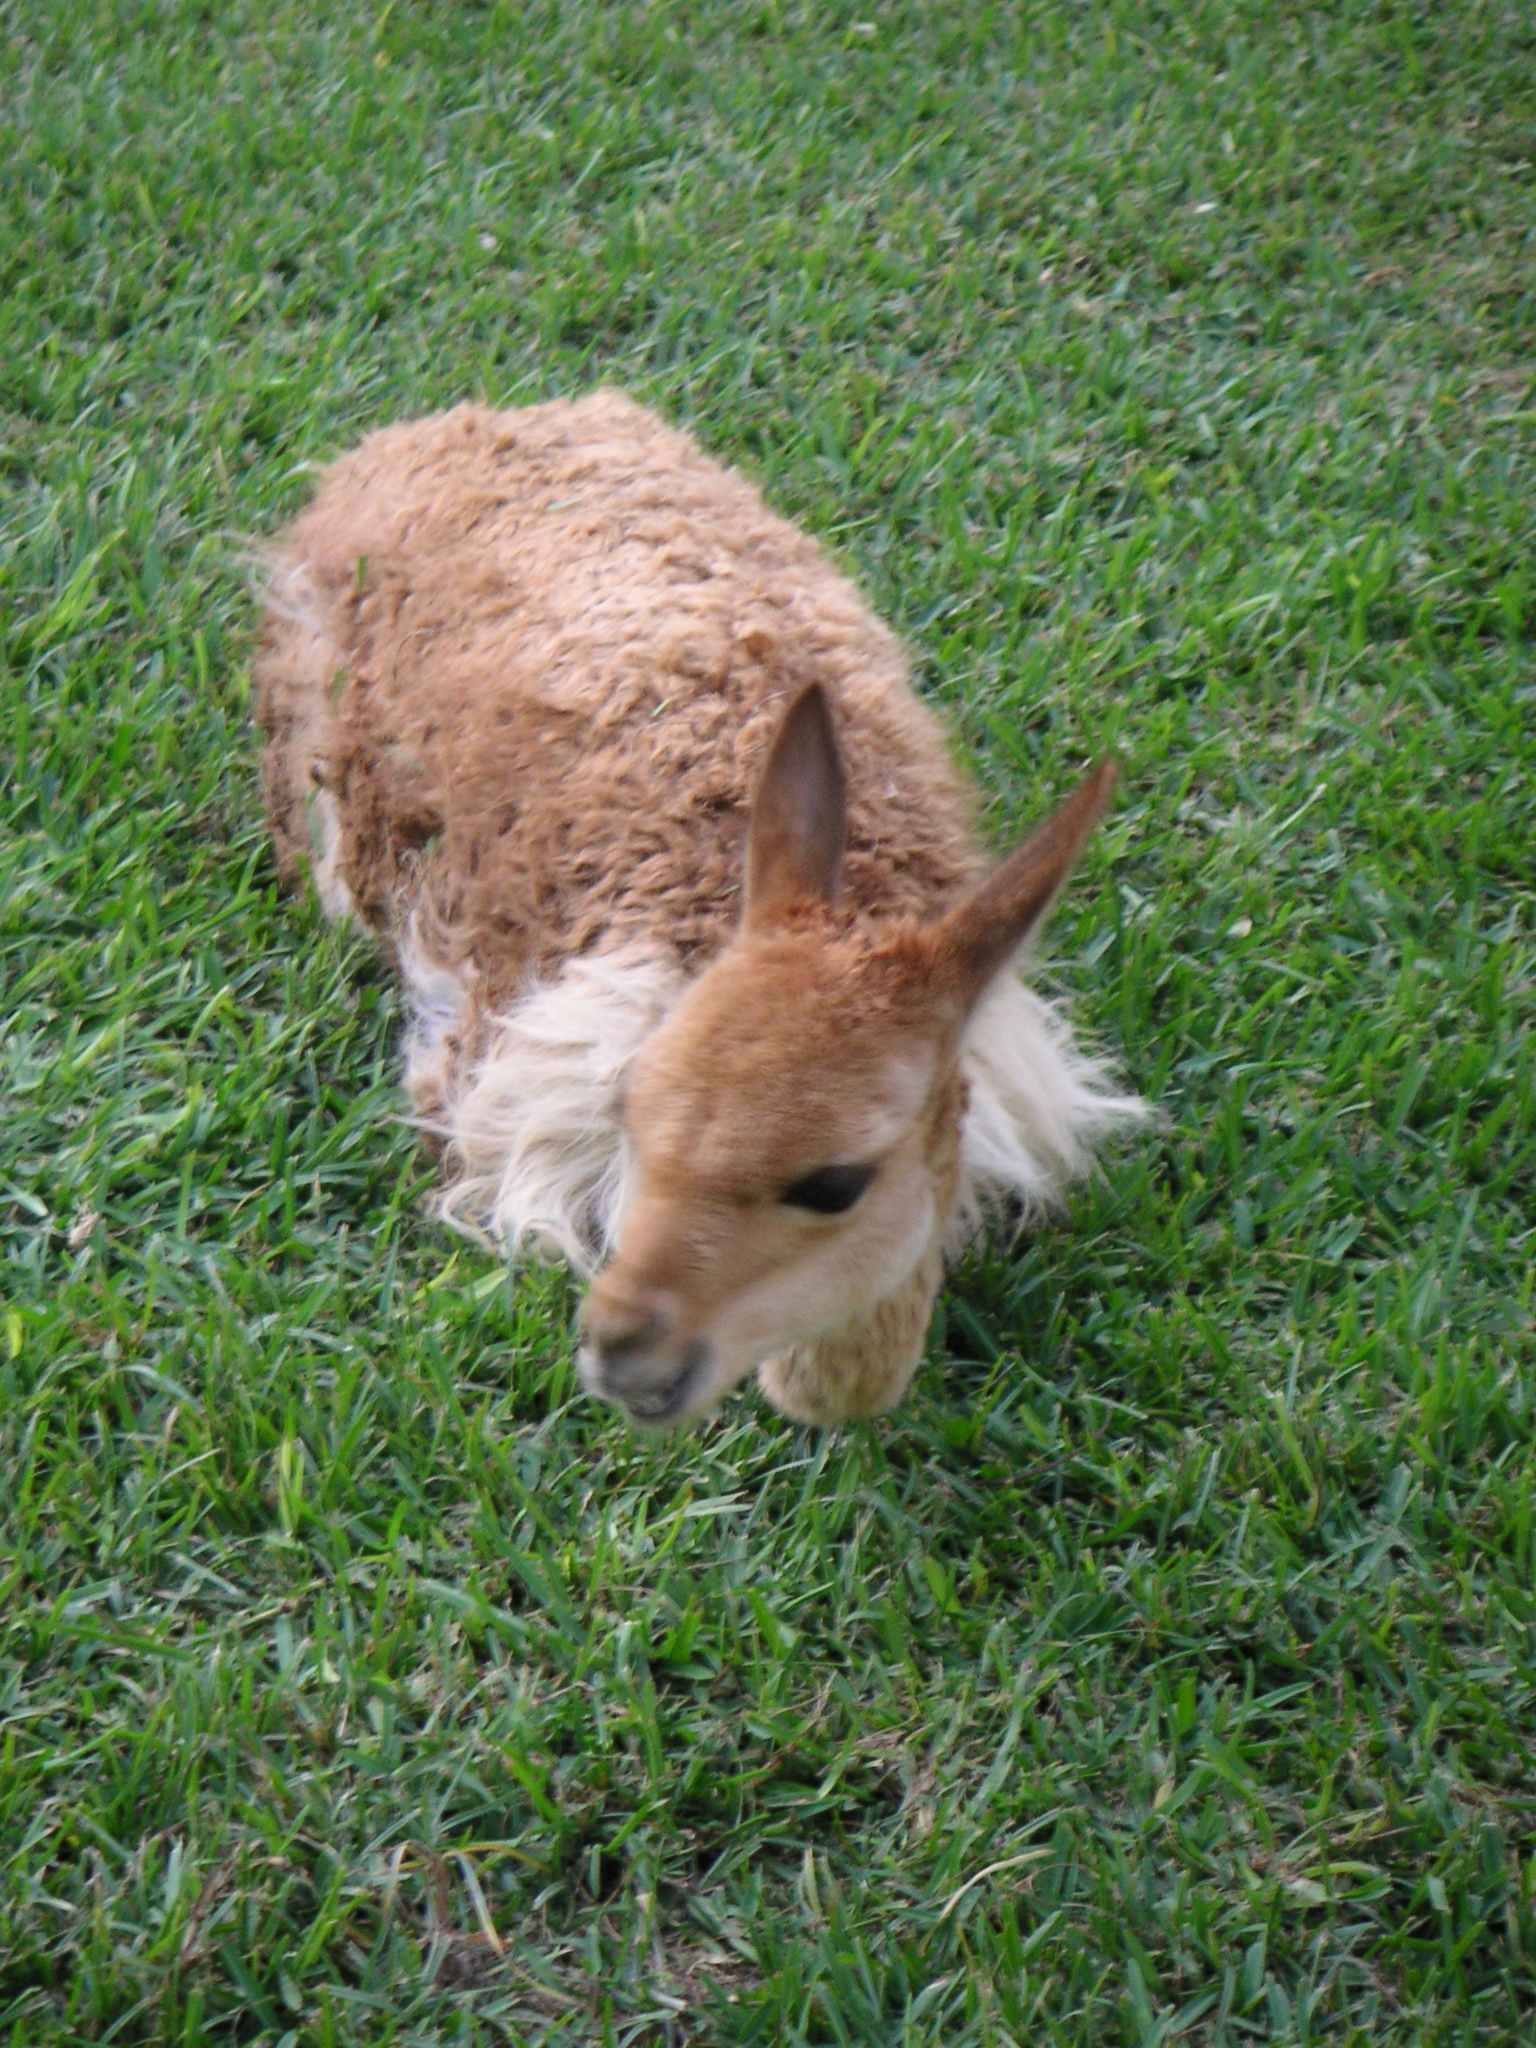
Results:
621 1335
633 1355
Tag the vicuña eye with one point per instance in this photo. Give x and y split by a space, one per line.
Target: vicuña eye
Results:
829 1190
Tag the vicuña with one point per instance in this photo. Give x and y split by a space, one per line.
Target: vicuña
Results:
710 989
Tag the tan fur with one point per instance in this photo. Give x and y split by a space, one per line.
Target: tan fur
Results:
567 638
520 675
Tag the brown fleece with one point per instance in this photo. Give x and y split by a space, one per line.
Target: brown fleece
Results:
563 640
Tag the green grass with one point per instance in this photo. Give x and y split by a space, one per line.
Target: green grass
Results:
1166 1668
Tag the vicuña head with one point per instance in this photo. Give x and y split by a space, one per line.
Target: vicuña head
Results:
796 1121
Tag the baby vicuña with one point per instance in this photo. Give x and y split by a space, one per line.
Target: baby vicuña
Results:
710 989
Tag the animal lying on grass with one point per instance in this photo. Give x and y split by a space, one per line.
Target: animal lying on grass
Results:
705 974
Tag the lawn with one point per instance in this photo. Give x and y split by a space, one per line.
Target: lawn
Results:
1165 1669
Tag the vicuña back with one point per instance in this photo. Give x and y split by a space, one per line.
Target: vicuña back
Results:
703 973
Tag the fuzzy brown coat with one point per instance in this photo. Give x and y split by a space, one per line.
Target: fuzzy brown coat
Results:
564 639
683 889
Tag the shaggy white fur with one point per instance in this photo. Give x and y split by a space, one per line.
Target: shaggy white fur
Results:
325 832
287 588
533 1124
537 1152
438 1000
1037 1108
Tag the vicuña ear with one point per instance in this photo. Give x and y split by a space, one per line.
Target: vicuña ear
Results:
987 926
799 817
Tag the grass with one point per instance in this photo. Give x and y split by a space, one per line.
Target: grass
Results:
1166 1669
